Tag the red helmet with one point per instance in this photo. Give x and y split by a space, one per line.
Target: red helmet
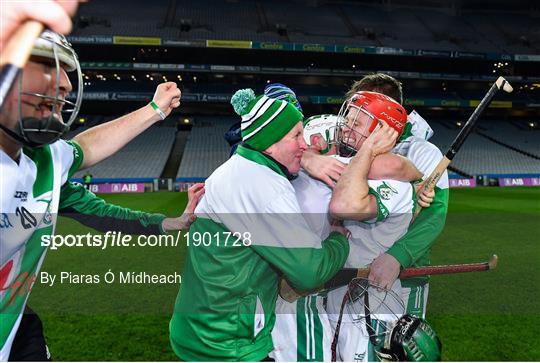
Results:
360 115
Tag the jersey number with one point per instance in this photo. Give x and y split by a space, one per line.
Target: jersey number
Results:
27 219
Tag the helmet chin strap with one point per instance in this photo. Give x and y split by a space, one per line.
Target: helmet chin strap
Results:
346 150
33 133
13 135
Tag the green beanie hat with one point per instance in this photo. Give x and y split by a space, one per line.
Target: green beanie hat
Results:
264 120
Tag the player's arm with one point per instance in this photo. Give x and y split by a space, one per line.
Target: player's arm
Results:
428 225
418 240
102 141
385 166
425 229
295 250
352 198
423 232
85 207
394 167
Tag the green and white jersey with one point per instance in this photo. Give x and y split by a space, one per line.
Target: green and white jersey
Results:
395 202
250 230
302 332
29 197
395 206
414 248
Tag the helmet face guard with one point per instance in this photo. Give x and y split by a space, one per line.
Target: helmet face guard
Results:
374 308
361 114
394 336
53 49
354 125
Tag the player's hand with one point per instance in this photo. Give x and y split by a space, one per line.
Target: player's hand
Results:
324 168
53 14
195 193
337 226
167 97
425 198
384 271
380 141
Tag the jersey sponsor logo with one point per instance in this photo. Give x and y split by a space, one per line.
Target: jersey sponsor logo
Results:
386 191
4 221
27 219
22 195
359 357
405 328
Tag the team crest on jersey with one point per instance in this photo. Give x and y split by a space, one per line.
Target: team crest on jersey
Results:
386 191
47 216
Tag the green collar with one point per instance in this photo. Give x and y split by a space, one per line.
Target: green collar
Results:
407 132
262 159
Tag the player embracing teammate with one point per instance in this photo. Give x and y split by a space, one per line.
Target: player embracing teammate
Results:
384 235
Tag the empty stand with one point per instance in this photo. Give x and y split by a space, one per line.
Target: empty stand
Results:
143 157
330 23
481 156
518 136
206 149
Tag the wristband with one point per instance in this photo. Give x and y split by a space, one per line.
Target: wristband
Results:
158 111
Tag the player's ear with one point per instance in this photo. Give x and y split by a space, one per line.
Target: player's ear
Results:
270 150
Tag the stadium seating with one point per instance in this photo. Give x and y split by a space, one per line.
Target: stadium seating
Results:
144 157
480 155
519 136
206 149
483 152
338 23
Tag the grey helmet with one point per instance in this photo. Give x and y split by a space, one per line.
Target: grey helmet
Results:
52 48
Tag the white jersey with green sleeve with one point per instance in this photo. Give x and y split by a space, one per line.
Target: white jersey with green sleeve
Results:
30 191
395 208
394 201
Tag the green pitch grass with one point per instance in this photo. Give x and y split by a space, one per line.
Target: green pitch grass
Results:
479 316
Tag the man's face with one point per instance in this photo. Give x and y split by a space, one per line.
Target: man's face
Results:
40 78
357 127
288 151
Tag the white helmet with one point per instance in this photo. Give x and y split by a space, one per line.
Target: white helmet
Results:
323 126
